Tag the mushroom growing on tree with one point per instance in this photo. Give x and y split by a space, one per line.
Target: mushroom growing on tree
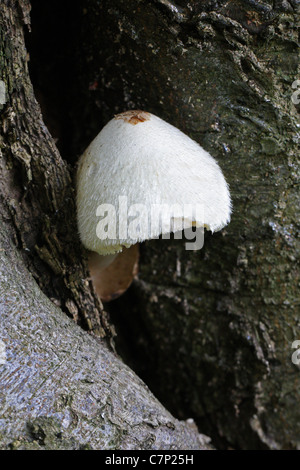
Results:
141 178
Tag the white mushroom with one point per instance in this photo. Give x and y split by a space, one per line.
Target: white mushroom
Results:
139 159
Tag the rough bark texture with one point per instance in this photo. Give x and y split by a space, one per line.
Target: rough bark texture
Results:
60 387
213 329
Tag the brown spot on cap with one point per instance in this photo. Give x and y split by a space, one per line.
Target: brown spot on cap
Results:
134 116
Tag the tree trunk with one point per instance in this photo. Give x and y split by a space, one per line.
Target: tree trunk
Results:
211 332
60 387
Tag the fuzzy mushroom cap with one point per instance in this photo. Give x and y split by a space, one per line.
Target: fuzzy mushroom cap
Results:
151 162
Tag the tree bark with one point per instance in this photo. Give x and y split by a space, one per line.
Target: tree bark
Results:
213 330
60 387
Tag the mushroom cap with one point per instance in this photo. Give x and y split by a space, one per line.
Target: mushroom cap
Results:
142 157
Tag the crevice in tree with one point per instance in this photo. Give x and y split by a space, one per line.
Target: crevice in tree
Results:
53 44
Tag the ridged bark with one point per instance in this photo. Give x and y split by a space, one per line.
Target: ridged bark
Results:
211 332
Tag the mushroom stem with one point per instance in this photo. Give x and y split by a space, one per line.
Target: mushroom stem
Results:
113 276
